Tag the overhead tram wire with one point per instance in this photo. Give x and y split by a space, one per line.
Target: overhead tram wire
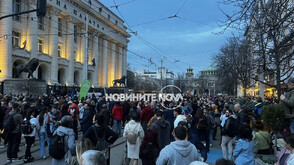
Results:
123 3
181 8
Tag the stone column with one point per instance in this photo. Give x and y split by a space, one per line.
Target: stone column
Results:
5 41
125 64
32 29
105 62
96 56
53 50
100 62
70 46
111 63
84 56
119 68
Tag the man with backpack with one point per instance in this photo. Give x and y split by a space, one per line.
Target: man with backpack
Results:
229 132
73 109
12 130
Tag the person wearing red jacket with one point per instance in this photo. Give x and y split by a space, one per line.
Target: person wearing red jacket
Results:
146 114
117 113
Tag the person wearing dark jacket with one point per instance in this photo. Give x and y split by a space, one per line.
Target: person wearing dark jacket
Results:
98 131
106 115
162 127
100 103
126 108
86 121
146 114
149 149
242 116
228 135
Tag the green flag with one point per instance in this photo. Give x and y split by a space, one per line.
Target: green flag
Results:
84 88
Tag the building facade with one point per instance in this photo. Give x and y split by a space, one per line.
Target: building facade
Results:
160 73
59 40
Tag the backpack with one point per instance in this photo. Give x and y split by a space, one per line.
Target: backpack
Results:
101 144
132 136
9 125
26 127
72 111
211 122
56 147
202 123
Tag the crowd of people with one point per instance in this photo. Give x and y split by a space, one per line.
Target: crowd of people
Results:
84 130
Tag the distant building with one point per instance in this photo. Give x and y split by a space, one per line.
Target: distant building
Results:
209 80
161 72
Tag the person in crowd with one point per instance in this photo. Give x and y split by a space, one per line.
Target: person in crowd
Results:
117 114
216 115
66 131
64 110
178 116
73 110
146 114
83 145
99 131
93 157
211 124
126 108
2 115
288 103
13 136
243 153
45 133
178 152
198 163
223 161
101 101
86 122
286 156
106 115
242 116
262 139
134 126
162 127
169 116
149 149
81 111
258 108
228 134
30 137
200 129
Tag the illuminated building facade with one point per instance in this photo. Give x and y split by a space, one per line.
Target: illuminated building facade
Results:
59 39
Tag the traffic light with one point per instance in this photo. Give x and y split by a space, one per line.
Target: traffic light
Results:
41 8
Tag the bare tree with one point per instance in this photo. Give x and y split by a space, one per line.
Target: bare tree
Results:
268 26
234 62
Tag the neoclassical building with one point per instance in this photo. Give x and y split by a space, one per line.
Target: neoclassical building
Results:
59 40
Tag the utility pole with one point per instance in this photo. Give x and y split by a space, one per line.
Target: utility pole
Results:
161 61
86 46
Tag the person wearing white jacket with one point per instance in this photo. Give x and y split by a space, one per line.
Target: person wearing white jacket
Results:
30 138
179 117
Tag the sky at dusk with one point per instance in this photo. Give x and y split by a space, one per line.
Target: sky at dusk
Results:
186 40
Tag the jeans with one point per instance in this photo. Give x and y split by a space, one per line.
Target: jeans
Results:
144 126
29 141
211 136
117 126
13 144
227 141
43 136
292 125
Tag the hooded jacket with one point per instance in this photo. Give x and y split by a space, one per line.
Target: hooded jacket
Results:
146 114
163 128
69 139
178 119
178 152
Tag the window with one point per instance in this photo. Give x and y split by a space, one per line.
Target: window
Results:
59 50
59 27
16 9
41 23
108 16
15 39
40 45
75 33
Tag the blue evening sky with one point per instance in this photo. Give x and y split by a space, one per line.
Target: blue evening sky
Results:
180 42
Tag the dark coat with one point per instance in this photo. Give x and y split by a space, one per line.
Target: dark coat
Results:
106 116
149 155
110 135
163 129
87 120
242 118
